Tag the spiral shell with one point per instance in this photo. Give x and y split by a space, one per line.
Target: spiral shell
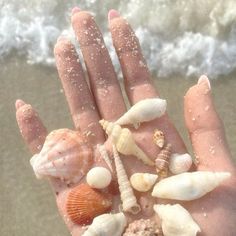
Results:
162 160
107 225
180 163
84 203
129 201
124 141
189 186
104 155
65 155
159 138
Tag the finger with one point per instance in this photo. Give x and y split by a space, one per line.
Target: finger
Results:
205 128
31 127
138 84
81 103
103 80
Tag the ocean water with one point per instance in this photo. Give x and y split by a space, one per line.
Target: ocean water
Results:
183 37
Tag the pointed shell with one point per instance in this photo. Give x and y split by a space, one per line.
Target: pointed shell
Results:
143 182
107 225
65 155
180 163
84 203
176 220
158 138
189 186
98 177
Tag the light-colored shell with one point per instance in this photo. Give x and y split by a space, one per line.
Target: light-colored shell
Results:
124 141
98 177
180 163
65 155
159 138
189 186
176 220
162 160
129 201
105 156
143 182
142 111
107 225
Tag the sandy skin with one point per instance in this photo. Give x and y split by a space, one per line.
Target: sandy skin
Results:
88 107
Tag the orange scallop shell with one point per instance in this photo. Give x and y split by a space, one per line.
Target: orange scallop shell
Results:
84 204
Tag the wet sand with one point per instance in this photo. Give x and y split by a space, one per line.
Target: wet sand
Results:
27 205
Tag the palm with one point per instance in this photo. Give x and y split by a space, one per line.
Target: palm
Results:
107 103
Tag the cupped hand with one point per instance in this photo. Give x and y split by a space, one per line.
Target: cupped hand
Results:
101 98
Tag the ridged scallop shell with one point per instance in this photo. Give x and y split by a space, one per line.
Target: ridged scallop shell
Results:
143 182
144 110
180 163
129 201
162 160
159 138
84 204
65 155
98 177
189 186
176 220
107 225
124 141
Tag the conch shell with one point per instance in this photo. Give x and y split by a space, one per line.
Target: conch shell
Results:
159 138
143 182
124 141
142 111
107 225
129 201
189 186
176 220
180 163
65 155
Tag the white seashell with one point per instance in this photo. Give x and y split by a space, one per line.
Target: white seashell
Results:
129 201
180 163
124 141
142 111
98 177
176 220
104 155
143 182
107 225
189 186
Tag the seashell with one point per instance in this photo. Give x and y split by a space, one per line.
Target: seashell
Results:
176 220
159 138
104 155
189 186
124 141
98 177
65 155
143 182
180 163
84 203
107 225
142 227
142 111
129 201
162 160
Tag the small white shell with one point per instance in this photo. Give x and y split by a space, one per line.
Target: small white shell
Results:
176 220
107 225
142 111
180 163
143 182
98 177
104 155
189 186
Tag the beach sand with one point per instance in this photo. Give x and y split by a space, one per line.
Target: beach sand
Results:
27 205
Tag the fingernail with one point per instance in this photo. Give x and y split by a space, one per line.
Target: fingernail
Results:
113 14
61 37
204 79
75 10
19 103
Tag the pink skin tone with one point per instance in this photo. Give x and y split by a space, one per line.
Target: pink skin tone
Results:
215 212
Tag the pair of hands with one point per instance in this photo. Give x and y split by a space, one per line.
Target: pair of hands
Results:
102 98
